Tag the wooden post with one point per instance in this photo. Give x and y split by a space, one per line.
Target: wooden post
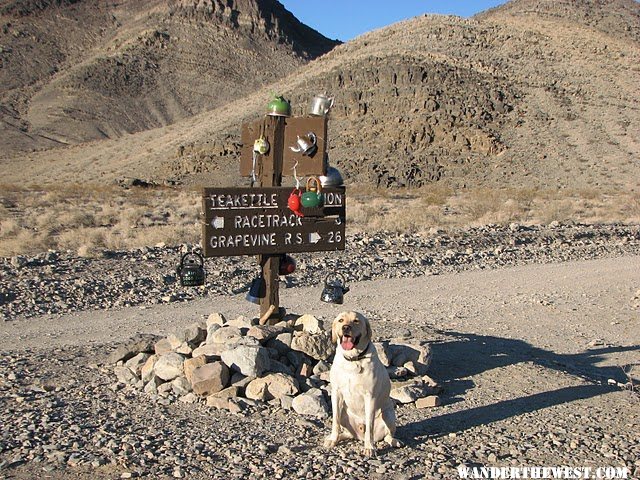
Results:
271 176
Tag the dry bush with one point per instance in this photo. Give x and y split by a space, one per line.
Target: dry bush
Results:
87 219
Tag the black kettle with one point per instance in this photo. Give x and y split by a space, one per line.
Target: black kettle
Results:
191 270
334 290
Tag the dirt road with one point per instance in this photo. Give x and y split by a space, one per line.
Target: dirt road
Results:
524 355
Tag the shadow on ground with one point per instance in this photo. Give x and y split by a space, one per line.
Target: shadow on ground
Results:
466 355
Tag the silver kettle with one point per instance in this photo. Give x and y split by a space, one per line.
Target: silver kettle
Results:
333 291
320 105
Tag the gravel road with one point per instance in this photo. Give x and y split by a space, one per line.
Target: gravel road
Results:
524 354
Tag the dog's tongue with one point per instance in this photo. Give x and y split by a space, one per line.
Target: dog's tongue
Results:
347 343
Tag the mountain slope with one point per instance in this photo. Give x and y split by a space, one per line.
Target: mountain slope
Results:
505 99
81 70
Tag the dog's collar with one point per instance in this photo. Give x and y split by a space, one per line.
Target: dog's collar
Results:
360 355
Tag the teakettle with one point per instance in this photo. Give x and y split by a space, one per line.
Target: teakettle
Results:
293 202
261 145
313 196
279 107
306 144
191 270
320 105
287 265
257 290
333 292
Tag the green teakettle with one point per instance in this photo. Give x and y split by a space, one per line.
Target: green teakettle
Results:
313 196
279 107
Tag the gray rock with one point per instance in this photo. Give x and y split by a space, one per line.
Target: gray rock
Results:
278 367
282 342
146 372
125 375
136 363
225 335
311 403
251 361
169 366
286 402
162 346
321 367
317 346
229 392
189 398
216 319
195 334
210 350
141 343
243 322
274 385
411 392
151 387
410 356
263 333
210 378
181 386
309 324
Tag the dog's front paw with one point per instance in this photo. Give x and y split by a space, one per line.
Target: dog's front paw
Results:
330 442
395 443
370 452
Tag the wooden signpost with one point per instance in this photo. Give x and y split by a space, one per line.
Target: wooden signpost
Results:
257 220
245 221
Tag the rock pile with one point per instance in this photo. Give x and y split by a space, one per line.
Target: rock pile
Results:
238 365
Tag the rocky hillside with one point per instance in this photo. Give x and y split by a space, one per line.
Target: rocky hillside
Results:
73 71
532 94
619 18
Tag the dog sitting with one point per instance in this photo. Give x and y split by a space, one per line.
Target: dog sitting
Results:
360 387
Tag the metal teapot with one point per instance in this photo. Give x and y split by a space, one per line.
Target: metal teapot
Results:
279 107
191 270
257 290
333 292
306 144
333 178
320 105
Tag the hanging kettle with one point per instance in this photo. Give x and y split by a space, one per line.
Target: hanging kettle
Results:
312 198
191 270
333 177
279 107
306 144
261 145
256 290
287 265
320 105
293 202
333 291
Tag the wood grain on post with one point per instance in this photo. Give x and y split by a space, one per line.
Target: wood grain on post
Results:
271 176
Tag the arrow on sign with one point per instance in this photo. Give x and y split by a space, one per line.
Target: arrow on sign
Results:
217 222
314 237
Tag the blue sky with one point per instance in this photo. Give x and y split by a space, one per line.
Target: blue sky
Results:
346 19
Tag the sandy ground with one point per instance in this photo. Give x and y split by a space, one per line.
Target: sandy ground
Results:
563 308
